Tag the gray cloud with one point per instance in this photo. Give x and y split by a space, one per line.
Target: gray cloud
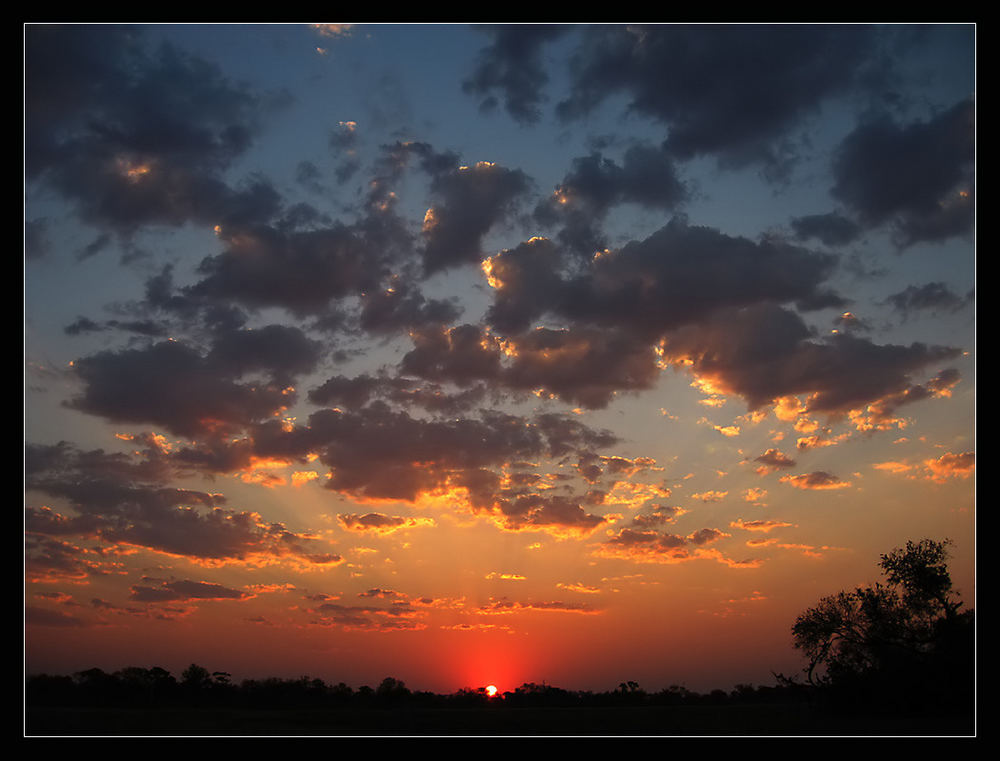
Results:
133 138
720 90
678 275
512 65
930 297
765 352
472 201
832 229
173 385
917 176
184 589
596 184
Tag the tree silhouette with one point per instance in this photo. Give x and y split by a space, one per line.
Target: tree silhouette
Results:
905 644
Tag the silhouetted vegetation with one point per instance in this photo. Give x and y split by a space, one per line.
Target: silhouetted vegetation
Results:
155 687
894 658
904 646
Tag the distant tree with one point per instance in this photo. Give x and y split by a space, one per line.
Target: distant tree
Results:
391 691
196 677
904 641
630 692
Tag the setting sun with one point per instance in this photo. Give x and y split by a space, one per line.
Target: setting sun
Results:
491 690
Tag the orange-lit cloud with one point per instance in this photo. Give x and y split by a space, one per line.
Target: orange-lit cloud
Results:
710 496
940 469
820 440
381 524
505 576
634 495
505 606
579 588
759 525
808 550
815 480
333 30
651 546
893 467
951 465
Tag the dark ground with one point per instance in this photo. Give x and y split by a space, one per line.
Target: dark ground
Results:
771 720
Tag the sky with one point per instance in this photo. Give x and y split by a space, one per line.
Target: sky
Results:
488 355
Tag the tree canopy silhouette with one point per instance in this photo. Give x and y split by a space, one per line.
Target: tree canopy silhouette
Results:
904 644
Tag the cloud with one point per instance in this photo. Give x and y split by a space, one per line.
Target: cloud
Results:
171 384
358 391
893 467
951 465
882 414
931 297
282 352
379 523
305 271
378 453
651 546
49 559
818 480
710 496
581 366
765 526
462 354
766 353
679 275
939 469
773 459
916 177
596 184
512 66
368 618
111 504
472 200
717 89
557 515
184 590
527 280
504 606
334 30
831 229
659 516
400 307
136 139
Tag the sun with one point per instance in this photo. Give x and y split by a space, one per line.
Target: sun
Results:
491 690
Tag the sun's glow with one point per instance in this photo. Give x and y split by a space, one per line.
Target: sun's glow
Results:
491 690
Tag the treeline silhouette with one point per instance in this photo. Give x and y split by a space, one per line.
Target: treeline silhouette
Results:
137 687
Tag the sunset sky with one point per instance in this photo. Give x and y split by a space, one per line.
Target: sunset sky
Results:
565 354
